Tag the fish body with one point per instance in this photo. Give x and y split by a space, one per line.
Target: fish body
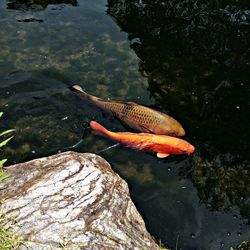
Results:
136 116
162 145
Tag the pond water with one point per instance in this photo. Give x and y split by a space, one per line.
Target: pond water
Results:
188 59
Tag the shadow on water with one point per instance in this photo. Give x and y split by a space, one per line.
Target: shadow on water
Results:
193 64
196 56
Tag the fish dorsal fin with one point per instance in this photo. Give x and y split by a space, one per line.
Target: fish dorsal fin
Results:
132 103
161 155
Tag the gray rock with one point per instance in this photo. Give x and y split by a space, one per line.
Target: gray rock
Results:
72 200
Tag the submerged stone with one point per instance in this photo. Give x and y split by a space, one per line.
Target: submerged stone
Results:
72 201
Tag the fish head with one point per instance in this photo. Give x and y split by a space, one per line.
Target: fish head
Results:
187 148
179 130
171 128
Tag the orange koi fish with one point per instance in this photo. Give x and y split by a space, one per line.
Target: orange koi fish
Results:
162 145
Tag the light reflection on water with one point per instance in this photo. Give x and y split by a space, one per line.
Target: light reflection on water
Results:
40 60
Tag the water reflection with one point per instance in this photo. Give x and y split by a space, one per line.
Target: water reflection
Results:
36 4
196 59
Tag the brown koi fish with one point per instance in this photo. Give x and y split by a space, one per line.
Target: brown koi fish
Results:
136 116
162 145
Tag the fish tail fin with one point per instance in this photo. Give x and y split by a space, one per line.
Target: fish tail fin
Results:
99 129
78 90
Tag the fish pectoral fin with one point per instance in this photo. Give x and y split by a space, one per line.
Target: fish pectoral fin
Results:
161 155
145 129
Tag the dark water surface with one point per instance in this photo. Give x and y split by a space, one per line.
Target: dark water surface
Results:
188 59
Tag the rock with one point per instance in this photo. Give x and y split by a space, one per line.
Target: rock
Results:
72 200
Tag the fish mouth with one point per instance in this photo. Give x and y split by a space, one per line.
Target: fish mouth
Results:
177 132
191 149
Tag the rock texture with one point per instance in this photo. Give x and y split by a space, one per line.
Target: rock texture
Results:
72 201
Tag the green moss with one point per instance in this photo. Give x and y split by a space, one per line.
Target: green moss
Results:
8 238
